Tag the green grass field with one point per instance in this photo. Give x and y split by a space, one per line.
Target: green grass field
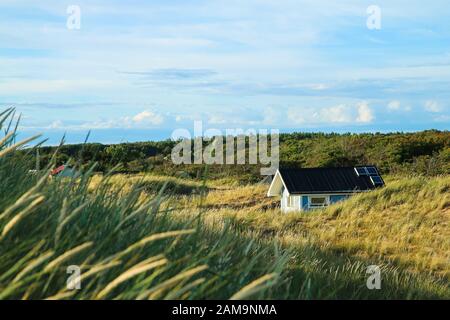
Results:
156 237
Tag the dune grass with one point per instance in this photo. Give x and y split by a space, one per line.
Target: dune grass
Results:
406 223
403 227
331 249
127 248
152 184
133 239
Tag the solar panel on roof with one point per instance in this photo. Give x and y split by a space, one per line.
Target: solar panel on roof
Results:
377 181
361 171
372 171
325 180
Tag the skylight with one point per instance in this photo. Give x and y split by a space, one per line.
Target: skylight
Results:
366 171
372 171
377 181
361 171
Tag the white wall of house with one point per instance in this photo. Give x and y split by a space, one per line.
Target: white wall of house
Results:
293 203
290 203
276 187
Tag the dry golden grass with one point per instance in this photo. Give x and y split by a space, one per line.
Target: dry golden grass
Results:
405 223
236 198
132 248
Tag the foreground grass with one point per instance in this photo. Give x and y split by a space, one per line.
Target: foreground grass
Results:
403 227
133 239
331 249
131 245
406 223
127 248
132 248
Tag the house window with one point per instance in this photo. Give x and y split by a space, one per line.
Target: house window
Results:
317 202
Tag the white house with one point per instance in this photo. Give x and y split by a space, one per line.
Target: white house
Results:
310 188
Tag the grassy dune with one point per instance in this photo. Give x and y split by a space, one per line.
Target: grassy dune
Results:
126 246
403 228
405 224
132 244
153 237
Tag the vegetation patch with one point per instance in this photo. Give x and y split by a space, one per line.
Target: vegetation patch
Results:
150 237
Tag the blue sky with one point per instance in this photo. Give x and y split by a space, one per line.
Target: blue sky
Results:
137 70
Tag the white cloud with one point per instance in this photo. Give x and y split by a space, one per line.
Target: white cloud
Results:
27 86
57 124
336 114
442 118
319 86
297 115
148 117
270 116
394 105
143 119
82 66
217 119
432 106
365 113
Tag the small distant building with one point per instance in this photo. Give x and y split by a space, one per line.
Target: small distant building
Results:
311 188
63 171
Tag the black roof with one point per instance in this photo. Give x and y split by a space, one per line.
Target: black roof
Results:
325 180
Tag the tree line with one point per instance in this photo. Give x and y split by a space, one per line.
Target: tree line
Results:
423 153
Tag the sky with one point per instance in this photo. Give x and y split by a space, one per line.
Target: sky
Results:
138 70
